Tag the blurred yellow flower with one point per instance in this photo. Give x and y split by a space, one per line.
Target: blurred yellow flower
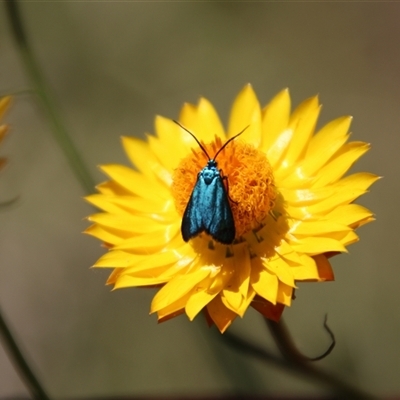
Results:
292 208
4 104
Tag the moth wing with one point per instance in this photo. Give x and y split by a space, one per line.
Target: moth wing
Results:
192 221
218 218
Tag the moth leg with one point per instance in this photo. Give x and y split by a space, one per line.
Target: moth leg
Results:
273 216
225 178
258 237
229 252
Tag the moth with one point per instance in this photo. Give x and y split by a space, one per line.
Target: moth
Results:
209 209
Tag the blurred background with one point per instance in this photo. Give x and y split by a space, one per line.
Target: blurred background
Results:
112 67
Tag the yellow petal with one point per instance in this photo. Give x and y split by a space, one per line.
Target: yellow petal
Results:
284 249
150 242
340 163
267 309
188 116
111 188
331 138
124 281
135 182
344 191
350 214
172 143
285 294
278 148
113 276
246 302
275 119
235 292
313 195
140 155
306 270
177 287
165 157
317 245
309 196
221 316
325 271
293 141
304 119
203 121
345 238
360 180
246 112
264 282
325 144
157 209
323 207
232 300
144 274
128 223
163 262
117 259
281 269
104 235
313 228
105 203
305 109
197 301
172 310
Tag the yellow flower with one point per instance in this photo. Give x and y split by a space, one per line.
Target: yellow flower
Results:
292 208
4 104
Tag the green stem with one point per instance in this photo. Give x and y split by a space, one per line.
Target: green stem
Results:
43 91
294 362
75 161
20 363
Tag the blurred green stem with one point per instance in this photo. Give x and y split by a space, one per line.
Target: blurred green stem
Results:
75 161
293 361
20 362
43 91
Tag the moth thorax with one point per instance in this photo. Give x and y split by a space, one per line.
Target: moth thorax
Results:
209 173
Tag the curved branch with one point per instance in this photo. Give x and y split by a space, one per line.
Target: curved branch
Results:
288 348
297 366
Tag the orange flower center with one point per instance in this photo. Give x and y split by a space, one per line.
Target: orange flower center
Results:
249 181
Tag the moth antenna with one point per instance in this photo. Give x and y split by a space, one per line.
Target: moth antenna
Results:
230 140
195 138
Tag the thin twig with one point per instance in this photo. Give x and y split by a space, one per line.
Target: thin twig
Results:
296 361
288 348
331 346
342 390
